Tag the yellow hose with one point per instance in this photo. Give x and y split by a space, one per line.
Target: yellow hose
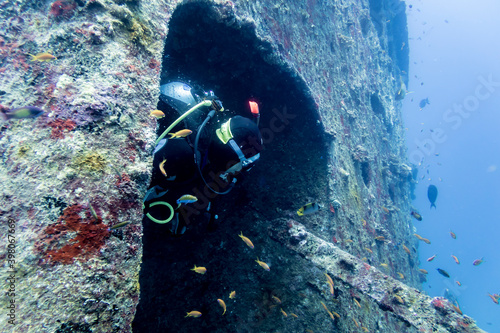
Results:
187 113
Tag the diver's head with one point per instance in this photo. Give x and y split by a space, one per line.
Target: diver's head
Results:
236 148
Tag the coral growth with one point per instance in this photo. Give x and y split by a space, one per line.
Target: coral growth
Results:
91 162
62 8
60 127
73 236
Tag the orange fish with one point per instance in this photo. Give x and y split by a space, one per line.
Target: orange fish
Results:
332 291
380 238
162 168
399 299
456 259
42 57
276 299
221 303
458 282
457 309
193 314
385 210
329 279
331 315
431 258
294 315
422 238
357 303
423 271
246 240
494 298
406 249
263 264
232 294
284 313
157 114
180 134
477 262
200 270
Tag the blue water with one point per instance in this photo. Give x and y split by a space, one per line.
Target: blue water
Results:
454 50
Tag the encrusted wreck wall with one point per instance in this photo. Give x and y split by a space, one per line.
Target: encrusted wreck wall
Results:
326 74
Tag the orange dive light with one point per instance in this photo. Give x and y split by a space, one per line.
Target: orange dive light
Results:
254 108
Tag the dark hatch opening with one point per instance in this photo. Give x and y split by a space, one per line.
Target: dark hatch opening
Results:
208 45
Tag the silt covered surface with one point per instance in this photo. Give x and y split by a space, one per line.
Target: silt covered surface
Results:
325 75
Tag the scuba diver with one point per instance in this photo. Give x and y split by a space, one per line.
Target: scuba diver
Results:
204 154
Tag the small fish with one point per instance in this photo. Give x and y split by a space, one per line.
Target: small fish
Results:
336 314
332 291
21 113
329 279
401 276
158 114
494 298
369 250
162 168
263 264
443 272
92 210
423 271
222 304
180 134
456 259
284 313
400 95
276 299
385 210
365 329
423 103
477 262
331 315
294 315
458 283
42 57
384 265
193 314
431 258
422 238
185 199
119 225
416 215
349 241
357 303
380 238
308 209
457 309
432 193
399 299
324 306
355 322
330 284
407 250
452 234
246 240
200 270
232 294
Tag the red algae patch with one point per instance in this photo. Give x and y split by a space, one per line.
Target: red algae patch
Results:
73 236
